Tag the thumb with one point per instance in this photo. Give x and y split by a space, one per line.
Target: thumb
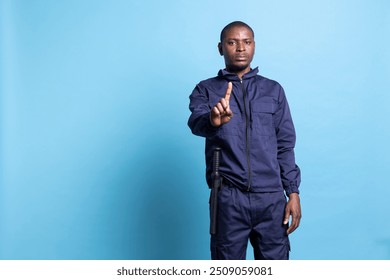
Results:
286 216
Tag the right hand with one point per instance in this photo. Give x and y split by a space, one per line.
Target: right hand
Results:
221 113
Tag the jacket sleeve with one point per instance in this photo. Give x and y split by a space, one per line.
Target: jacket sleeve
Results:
285 133
199 120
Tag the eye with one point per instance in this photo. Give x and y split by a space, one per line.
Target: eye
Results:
231 43
248 42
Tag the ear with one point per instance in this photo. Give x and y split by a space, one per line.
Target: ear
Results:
220 48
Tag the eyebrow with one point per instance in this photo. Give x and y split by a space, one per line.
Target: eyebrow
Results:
236 39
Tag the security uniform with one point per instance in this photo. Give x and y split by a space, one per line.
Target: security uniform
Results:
257 163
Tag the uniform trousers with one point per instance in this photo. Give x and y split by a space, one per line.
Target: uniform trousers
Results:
253 216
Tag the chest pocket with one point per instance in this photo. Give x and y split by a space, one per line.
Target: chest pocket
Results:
263 118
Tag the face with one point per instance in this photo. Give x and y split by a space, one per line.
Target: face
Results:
237 48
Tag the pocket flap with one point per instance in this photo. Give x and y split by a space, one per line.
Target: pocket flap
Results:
263 107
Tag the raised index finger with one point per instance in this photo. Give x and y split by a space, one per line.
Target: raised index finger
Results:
228 92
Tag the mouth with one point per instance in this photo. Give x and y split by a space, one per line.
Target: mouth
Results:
241 58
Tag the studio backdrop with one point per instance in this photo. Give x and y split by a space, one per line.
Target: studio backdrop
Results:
97 161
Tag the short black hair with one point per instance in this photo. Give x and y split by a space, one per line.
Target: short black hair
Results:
235 24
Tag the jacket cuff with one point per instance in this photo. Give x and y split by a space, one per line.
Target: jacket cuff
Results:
292 188
211 130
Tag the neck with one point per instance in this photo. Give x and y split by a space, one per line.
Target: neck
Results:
239 72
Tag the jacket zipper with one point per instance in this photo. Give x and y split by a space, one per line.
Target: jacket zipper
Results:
247 143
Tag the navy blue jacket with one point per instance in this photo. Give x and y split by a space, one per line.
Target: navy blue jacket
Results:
258 143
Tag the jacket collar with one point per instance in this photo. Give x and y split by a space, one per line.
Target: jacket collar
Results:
233 77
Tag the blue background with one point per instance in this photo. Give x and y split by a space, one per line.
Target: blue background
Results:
97 161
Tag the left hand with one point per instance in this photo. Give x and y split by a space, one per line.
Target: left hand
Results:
293 209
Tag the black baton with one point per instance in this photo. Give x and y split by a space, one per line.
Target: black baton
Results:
217 184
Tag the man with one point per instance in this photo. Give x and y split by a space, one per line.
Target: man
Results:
248 117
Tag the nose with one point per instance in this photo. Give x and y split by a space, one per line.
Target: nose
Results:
240 46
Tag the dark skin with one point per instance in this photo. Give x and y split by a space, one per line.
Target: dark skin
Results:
238 49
